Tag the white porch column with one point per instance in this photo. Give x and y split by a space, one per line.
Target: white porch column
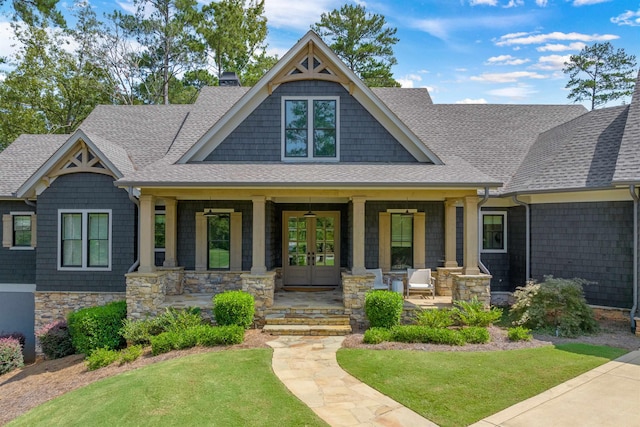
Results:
171 232
258 265
358 235
471 236
450 233
147 233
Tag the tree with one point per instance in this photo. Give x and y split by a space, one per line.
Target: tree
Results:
36 12
235 33
362 40
608 74
166 29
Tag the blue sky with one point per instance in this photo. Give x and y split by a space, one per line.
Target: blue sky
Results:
481 51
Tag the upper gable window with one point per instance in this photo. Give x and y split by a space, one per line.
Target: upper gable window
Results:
310 128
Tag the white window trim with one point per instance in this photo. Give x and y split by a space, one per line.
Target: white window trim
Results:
85 229
161 212
504 232
21 248
310 157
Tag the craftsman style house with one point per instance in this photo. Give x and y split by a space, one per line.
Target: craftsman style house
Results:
310 178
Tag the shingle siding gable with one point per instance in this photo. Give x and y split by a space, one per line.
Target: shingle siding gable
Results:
259 137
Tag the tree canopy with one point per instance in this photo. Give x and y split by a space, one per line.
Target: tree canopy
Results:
599 74
362 40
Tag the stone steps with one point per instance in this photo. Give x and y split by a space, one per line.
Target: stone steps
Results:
314 322
313 330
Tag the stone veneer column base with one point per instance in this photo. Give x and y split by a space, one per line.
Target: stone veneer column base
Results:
146 292
261 286
637 319
55 305
465 287
444 280
354 288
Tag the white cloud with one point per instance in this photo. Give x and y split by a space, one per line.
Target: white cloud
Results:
514 92
506 77
561 47
298 15
127 6
628 18
514 3
588 2
528 38
505 60
443 27
461 70
472 101
483 2
542 3
406 83
551 62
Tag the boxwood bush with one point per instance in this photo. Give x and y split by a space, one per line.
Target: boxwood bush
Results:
55 340
383 308
377 335
101 357
10 355
424 334
97 327
234 308
204 335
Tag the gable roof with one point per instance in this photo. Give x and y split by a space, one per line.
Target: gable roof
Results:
628 165
289 68
23 157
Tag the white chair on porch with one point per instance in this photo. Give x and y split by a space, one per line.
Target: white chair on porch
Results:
421 280
379 283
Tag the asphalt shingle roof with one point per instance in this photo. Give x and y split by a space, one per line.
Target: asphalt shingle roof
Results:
628 166
23 157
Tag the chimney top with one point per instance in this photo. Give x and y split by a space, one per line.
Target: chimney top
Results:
229 78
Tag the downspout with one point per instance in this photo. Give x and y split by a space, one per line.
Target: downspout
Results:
483 268
135 201
527 230
632 314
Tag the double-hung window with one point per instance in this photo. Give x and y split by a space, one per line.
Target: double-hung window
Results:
310 128
494 232
85 240
18 230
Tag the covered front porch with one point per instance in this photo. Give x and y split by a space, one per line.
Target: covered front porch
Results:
305 239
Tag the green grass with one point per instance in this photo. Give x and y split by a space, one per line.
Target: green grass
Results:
231 388
460 388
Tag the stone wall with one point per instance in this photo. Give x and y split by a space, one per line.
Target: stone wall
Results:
211 282
444 280
146 292
174 283
54 305
261 286
466 287
354 289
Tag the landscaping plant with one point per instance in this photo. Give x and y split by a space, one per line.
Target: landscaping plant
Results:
140 331
424 334
204 335
556 306
234 308
383 308
519 333
377 335
10 355
55 340
435 318
101 357
97 327
473 313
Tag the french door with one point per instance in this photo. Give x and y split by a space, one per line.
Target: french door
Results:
311 249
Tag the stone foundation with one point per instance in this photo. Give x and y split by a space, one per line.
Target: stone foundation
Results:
444 280
52 306
611 313
261 286
211 282
637 319
174 280
146 292
354 289
466 287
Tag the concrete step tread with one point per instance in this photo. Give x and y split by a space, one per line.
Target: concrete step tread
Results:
293 328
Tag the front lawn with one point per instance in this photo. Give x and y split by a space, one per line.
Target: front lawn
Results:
460 388
230 388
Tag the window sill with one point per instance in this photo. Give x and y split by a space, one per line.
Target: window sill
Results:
493 251
84 269
22 248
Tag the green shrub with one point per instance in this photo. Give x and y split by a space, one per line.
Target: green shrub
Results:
10 355
519 333
473 313
234 308
377 335
130 354
557 306
441 318
209 336
383 308
163 343
140 331
97 327
55 340
176 320
101 357
475 335
424 334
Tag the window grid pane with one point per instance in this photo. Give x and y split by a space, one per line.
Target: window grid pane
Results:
22 230
98 242
296 128
219 242
401 241
160 228
72 240
324 128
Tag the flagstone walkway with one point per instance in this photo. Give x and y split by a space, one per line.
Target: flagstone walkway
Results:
308 367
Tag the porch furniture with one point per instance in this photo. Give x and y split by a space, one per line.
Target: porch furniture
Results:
421 280
379 283
397 286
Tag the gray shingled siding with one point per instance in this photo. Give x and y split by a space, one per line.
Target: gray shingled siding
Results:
259 137
16 266
516 243
84 191
315 207
434 230
592 241
187 229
